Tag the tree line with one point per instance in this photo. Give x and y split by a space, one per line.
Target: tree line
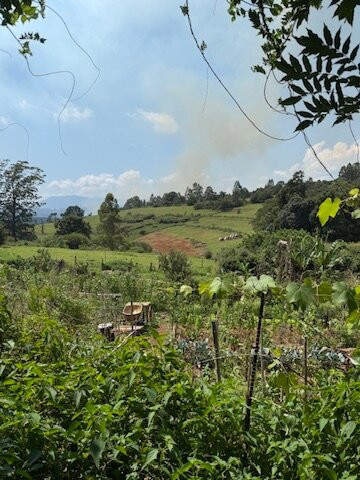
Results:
286 205
196 196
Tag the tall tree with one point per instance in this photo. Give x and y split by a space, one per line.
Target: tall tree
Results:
72 221
19 197
109 224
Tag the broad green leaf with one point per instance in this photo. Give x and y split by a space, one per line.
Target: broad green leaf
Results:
150 394
301 295
219 287
354 317
186 290
77 397
348 429
322 424
96 449
277 352
327 209
324 292
34 455
356 214
283 381
151 456
344 295
259 285
354 192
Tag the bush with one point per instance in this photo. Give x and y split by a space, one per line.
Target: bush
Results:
141 247
175 265
75 240
54 241
119 265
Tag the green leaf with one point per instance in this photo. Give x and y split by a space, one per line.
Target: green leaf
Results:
77 397
348 429
346 45
327 209
344 295
150 394
34 455
354 192
302 125
97 449
259 285
301 295
356 214
322 424
186 290
283 381
291 100
324 292
151 456
327 35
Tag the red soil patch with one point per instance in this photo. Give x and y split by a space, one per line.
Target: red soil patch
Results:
164 242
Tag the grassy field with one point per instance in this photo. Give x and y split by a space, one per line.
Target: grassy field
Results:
95 257
199 226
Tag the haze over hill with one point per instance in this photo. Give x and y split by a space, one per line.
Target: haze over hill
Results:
59 204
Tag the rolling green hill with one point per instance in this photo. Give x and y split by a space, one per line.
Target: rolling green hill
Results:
202 228
196 232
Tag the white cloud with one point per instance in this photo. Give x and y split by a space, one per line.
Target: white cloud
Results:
23 104
4 121
74 114
161 122
127 184
333 158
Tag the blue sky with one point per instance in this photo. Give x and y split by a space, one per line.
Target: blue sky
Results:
145 126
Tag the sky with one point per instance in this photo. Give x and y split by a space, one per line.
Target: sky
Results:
155 120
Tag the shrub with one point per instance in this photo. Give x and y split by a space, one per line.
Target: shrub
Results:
141 247
175 265
75 240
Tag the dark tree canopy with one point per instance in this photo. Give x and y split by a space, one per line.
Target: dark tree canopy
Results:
19 197
72 221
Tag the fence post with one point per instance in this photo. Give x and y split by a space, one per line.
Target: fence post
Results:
215 332
75 260
252 370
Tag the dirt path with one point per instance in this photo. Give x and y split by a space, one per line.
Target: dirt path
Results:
164 242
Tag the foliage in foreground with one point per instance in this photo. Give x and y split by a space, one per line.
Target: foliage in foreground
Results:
76 408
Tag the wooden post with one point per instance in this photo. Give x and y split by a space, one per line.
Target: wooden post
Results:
75 260
252 371
215 332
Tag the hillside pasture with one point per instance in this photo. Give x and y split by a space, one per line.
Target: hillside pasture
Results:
162 227
94 258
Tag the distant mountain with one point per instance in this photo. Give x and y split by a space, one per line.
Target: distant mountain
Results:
60 204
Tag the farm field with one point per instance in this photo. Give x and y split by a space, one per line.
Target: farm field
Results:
202 228
95 257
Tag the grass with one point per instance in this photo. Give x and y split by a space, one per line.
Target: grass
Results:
204 226
201 227
95 257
